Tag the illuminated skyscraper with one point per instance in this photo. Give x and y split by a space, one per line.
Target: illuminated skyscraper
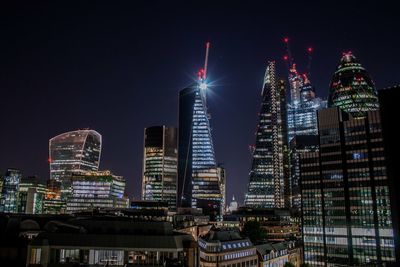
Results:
302 114
96 189
160 165
199 181
9 193
269 172
347 219
351 88
299 144
198 176
73 152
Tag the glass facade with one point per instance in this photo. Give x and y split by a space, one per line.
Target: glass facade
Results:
31 195
298 145
53 204
160 165
198 176
302 115
99 189
74 151
9 192
269 172
346 203
351 88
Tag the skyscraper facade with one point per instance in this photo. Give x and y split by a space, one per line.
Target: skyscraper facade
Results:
31 195
73 152
160 165
269 174
345 193
96 189
53 202
299 144
302 114
198 176
388 106
9 192
351 88
222 186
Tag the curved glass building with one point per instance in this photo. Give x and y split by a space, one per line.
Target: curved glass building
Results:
73 152
351 88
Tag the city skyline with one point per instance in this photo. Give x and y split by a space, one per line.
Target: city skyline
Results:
104 88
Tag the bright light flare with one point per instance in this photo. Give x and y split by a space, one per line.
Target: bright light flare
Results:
203 86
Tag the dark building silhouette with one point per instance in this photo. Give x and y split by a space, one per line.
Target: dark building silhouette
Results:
388 101
345 193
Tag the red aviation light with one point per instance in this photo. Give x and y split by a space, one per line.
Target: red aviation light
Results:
286 39
310 50
286 58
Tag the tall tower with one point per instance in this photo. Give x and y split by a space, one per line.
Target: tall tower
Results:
198 175
71 153
268 175
345 188
74 151
351 88
160 165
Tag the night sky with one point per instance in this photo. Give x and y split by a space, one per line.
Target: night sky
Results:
117 67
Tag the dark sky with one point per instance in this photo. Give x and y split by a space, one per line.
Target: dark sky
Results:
117 67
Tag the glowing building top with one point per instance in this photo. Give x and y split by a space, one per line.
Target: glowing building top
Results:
198 176
351 88
73 152
266 187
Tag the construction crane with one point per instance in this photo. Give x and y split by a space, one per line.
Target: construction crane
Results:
288 57
202 73
310 50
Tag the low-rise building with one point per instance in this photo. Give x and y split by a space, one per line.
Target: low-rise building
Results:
96 189
31 195
277 254
111 241
278 224
226 248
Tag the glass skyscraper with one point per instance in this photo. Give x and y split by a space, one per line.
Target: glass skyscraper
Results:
9 192
96 189
351 88
160 165
346 203
268 179
198 175
302 114
73 152
299 144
